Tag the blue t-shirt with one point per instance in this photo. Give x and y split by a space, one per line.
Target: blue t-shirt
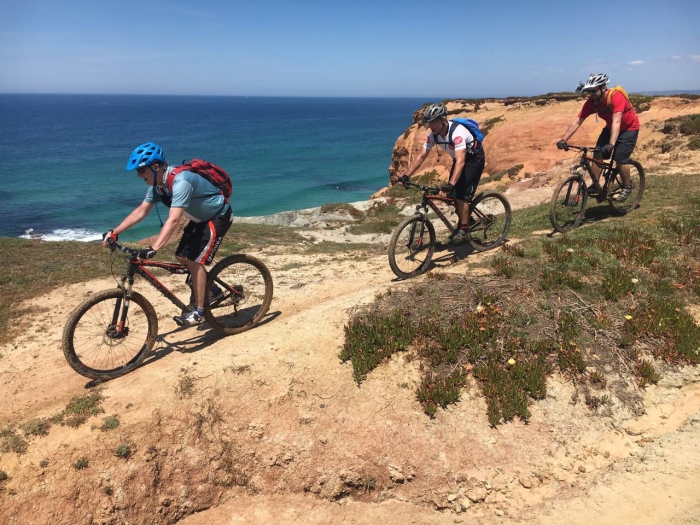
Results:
200 198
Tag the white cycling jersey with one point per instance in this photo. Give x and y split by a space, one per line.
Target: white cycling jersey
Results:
461 138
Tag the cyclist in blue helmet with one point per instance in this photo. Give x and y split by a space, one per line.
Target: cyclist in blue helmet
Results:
187 195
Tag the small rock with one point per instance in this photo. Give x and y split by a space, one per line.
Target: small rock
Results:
477 494
499 512
607 454
451 497
581 469
525 482
465 504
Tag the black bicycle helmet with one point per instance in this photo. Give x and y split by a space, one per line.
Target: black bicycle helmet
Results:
434 112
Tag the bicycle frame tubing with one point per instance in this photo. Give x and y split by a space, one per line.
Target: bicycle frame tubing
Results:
138 267
429 201
606 170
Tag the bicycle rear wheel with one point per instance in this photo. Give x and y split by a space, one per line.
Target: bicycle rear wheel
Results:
246 284
637 183
92 343
489 221
411 247
568 204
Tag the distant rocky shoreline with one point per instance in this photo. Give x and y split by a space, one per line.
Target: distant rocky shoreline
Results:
306 217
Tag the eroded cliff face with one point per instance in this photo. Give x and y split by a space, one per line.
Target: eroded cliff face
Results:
524 131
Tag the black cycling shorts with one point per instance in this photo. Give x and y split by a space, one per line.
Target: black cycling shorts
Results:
201 240
471 174
626 142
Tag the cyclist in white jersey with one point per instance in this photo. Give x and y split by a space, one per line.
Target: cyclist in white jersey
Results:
468 161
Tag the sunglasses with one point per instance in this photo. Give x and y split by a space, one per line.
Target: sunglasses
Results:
143 169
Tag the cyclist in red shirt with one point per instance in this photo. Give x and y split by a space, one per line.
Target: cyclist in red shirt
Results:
620 131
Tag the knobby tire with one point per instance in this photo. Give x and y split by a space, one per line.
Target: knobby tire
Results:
490 216
410 249
568 205
637 181
90 342
247 286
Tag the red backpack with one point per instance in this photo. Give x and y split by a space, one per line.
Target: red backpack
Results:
213 173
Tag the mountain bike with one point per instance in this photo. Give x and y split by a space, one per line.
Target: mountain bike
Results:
412 243
571 195
111 332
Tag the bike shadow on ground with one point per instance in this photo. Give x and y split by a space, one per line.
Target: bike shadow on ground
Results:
201 337
447 254
595 214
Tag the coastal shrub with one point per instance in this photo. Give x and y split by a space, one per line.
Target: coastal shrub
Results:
684 125
641 103
371 339
10 441
342 207
511 172
487 125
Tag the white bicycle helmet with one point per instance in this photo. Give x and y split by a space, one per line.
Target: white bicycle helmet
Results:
595 81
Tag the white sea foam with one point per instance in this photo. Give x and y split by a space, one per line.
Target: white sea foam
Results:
67 234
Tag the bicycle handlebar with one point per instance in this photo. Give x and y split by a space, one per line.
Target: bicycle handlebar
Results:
114 245
431 190
585 149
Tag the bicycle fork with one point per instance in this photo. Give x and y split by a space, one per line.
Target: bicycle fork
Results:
412 236
118 327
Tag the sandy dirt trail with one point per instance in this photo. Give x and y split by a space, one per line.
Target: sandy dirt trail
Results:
316 436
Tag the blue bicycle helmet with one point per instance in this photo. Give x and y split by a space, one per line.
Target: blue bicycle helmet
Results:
145 155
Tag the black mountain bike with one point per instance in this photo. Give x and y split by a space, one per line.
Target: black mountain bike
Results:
413 242
571 195
111 332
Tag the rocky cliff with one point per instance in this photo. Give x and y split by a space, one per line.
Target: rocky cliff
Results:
521 134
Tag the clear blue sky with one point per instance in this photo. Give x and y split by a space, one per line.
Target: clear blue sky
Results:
432 49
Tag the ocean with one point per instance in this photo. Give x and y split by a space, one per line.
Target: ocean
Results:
64 170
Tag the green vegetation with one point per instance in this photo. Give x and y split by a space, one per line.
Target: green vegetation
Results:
640 103
629 277
109 423
36 427
123 451
81 464
80 408
511 172
10 441
342 207
487 125
381 217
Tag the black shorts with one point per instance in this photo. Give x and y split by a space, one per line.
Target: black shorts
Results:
471 174
201 240
626 142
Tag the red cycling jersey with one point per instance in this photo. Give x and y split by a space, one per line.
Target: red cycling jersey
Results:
619 104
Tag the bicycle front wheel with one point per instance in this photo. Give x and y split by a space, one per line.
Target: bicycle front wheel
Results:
94 344
568 204
637 183
246 286
411 247
489 221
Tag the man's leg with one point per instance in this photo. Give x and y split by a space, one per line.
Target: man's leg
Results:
623 152
464 192
462 212
624 170
199 280
195 239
